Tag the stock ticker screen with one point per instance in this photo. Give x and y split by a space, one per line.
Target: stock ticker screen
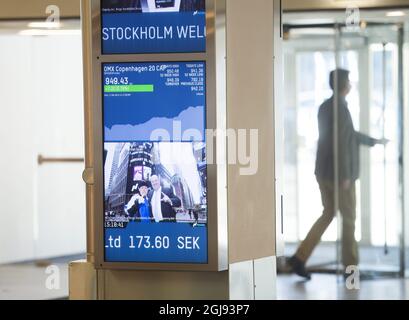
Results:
153 26
155 168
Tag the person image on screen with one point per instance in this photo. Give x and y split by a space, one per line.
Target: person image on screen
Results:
139 206
163 201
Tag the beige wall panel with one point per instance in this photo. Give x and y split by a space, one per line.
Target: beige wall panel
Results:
82 281
151 285
250 106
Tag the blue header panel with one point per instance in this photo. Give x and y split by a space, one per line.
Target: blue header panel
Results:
153 26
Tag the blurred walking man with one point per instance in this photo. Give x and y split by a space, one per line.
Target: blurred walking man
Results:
349 142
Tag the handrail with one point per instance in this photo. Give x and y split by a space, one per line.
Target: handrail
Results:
42 160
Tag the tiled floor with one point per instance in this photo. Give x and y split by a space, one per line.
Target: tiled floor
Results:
330 287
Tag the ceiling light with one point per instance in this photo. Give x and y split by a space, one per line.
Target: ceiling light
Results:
395 14
45 25
43 32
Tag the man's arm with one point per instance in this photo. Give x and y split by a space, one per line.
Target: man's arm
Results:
132 207
369 141
365 139
176 202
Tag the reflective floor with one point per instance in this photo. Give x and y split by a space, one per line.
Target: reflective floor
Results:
379 268
326 287
33 281
372 258
28 282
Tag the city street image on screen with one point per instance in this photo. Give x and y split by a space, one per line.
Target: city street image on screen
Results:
180 169
155 162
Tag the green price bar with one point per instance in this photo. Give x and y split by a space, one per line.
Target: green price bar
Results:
129 88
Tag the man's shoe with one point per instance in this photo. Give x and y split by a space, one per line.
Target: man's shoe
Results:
298 267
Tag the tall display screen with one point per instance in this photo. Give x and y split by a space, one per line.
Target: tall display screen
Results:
155 168
153 26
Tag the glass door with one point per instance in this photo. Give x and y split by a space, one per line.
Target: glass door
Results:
309 59
372 58
375 109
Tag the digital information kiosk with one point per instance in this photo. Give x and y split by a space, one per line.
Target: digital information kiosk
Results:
170 213
157 201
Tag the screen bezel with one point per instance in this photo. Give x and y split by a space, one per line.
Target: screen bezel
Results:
217 235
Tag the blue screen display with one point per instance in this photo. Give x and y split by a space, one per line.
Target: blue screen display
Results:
153 26
155 166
